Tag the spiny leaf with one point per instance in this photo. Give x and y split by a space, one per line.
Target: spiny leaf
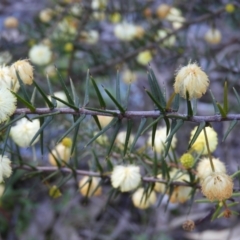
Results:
118 92
66 91
26 103
72 127
112 123
170 100
13 121
102 111
127 96
6 139
23 87
216 110
49 103
152 123
195 136
230 128
225 98
48 120
95 117
75 96
237 96
54 102
176 101
189 105
99 95
155 88
114 135
161 109
223 113
98 165
66 103
139 131
118 104
75 134
129 129
46 115
86 97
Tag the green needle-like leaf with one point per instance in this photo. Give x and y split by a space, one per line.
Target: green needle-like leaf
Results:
216 110
49 103
237 96
26 103
23 88
48 120
98 165
114 135
230 128
139 131
112 123
95 117
127 97
225 98
54 102
86 97
152 123
176 102
189 106
75 96
198 131
75 134
118 105
222 112
99 95
161 109
71 128
102 111
155 88
118 91
6 139
129 129
64 87
66 103
154 128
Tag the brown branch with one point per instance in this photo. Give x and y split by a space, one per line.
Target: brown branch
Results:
96 174
129 114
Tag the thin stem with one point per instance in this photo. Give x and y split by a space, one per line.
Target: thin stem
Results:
209 153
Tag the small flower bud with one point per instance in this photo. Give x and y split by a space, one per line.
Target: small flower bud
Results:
230 8
188 225
11 22
144 57
187 160
25 71
213 36
89 186
217 186
54 192
191 79
143 199
163 10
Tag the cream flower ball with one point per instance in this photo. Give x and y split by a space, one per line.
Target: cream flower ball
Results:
62 152
160 140
125 31
143 199
46 15
25 71
126 178
199 145
7 104
121 138
159 187
89 186
104 120
24 131
217 186
191 78
144 57
204 167
61 95
5 168
8 80
170 41
213 36
163 10
40 54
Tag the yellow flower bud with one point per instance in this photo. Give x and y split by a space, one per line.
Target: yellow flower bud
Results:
54 192
213 36
230 8
67 142
191 78
187 160
144 57
68 47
